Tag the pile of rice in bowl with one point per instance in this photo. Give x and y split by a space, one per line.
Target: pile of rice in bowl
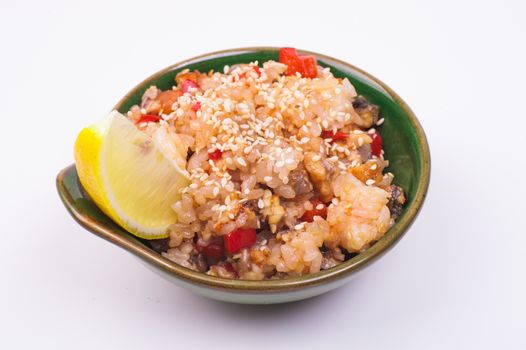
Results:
286 168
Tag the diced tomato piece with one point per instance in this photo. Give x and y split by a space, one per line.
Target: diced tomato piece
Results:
335 136
318 209
304 64
213 248
376 145
215 155
289 56
196 106
148 118
239 239
189 83
309 67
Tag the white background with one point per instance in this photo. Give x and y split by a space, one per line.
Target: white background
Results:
457 280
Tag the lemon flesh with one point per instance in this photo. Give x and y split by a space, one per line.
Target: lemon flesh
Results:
129 176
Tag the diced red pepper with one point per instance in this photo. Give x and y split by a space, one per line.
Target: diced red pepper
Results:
148 118
215 155
189 83
239 239
335 136
289 56
309 68
309 215
376 145
196 106
213 249
304 64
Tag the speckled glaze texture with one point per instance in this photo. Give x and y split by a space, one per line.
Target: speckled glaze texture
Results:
405 146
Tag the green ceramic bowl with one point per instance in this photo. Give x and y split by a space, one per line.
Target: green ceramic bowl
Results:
405 146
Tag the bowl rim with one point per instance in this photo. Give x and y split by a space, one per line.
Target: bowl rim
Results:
346 268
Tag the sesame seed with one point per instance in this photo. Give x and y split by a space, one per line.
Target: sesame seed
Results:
370 182
215 191
241 161
320 206
299 226
267 178
380 122
374 166
261 204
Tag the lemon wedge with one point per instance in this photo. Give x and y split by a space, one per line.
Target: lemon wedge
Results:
131 176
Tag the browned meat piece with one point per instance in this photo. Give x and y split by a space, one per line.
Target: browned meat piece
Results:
396 200
251 205
159 245
368 171
200 262
331 257
319 175
368 112
299 180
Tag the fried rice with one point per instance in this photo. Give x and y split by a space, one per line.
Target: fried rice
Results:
286 168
